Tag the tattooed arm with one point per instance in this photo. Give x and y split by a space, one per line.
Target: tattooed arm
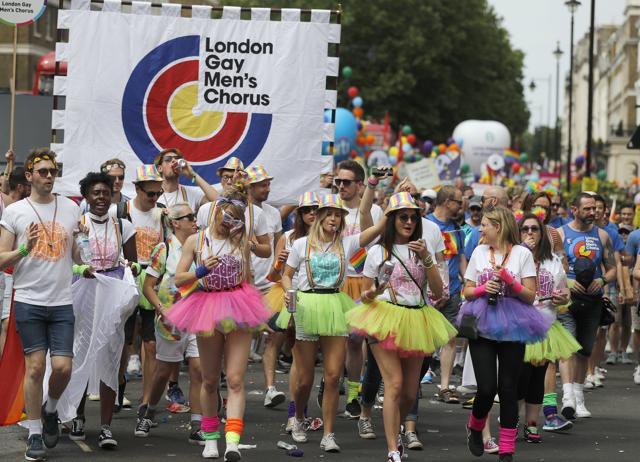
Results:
610 260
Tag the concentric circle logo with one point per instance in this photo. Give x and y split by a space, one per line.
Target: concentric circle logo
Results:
159 111
580 250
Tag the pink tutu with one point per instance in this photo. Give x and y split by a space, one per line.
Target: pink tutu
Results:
224 311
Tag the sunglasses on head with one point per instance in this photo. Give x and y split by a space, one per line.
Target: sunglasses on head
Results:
45 172
153 194
188 216
408 217
339 181
530 229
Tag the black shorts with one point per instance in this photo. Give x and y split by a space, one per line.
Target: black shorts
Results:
147 326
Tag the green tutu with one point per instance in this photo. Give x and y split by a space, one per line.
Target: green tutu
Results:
320 314
558 344
408 331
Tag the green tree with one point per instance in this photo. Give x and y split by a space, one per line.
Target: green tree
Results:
430 64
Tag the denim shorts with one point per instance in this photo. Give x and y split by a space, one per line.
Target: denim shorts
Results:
45 328
451 308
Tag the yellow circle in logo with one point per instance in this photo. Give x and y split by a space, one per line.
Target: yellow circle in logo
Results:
185 119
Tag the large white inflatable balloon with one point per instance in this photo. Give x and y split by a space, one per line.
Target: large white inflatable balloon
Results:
481 139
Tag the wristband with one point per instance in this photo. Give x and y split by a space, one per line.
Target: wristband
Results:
23 251
604 281
201 271
479 291
506 276
79 270
137 267
428 261
372 182
516 287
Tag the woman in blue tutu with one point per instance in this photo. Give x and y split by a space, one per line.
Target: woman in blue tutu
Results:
551 292
500 284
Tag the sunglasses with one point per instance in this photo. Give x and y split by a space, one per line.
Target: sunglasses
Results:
555 205
231 221
308 209
338 182
188 216
226 177
152 194
530 229
45 172
405 218
117 177
479 209
171 158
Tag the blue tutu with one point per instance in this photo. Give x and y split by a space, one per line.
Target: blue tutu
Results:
510 320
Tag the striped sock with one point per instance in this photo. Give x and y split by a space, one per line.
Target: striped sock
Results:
233 429
549 404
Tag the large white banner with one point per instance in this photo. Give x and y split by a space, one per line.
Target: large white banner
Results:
147 80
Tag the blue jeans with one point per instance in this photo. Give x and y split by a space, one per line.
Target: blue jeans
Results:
45 328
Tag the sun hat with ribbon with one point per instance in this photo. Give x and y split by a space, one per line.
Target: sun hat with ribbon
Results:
332 201
308 199
401 200
256 173
147 172
232 164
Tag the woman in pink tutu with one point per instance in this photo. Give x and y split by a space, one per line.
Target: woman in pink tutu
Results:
499 318
223 310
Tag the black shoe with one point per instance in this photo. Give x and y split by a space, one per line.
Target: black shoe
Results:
352 410
77 429
106 439
50 429
320 394
506 457
475 442
196 437
143 428
35 448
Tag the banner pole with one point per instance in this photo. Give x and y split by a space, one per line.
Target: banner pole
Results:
13 87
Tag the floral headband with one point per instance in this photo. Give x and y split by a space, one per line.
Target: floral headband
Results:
108 167
29 165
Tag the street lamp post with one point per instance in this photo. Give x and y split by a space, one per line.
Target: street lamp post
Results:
558 54
590 91
573 6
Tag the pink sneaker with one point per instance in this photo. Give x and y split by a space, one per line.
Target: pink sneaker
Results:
490 446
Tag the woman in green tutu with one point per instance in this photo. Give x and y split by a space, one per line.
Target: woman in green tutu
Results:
400 326
321 259
551 292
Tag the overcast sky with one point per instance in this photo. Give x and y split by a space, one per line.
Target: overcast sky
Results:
535 27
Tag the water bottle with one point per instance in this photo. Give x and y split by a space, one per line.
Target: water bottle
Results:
493 298
82 241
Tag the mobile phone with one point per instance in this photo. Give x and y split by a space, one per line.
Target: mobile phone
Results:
380 171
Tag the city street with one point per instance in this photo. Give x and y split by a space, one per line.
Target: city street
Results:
610 436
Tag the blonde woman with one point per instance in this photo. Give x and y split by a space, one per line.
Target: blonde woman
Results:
500 289
223 312
320 259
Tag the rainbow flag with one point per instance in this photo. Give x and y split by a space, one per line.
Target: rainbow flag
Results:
11 376
511 156
357 260
450 244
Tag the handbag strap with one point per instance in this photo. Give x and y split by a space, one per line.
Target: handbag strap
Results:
411 276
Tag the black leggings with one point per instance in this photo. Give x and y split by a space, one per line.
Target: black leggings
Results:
491 379
531 383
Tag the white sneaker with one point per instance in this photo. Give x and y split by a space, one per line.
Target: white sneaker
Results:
581 410
612 358
328 443
624 358
298 433
254 357
134 367
288 428
210 450
636 375
596 381
589 383
568 406
93 397
232 453
273 397
600 373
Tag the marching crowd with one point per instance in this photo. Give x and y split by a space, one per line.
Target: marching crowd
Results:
372 279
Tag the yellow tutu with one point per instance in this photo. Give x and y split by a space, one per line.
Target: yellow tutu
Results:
274 298
352 287
410 331
558 344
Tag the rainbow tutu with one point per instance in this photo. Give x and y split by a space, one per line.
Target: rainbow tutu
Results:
558 344
274 298
409 331
510 320
203 313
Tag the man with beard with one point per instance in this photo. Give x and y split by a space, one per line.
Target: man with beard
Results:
582 238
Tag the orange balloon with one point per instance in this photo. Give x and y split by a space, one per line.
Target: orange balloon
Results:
371 139
358 112
442 148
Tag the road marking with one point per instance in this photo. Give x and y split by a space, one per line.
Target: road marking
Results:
82 445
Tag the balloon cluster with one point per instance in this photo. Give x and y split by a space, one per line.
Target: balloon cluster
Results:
550 187
363 139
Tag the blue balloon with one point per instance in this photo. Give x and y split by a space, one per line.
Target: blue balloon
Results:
459 141
345 133
392 161
406 147
357 101
427 146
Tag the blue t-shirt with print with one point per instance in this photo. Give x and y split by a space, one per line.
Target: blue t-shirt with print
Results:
454 238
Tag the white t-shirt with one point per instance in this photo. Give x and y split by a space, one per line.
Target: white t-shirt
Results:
105 240
262 266
325 266
432 237
255 222
287 246
192 195
520 264
148 227
44 277
405 290
352 227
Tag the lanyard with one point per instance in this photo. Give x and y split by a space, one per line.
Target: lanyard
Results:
307 261
53 222
102 253
492 257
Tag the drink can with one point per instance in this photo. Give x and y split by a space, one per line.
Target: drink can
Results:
291 306
182 163
385 272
